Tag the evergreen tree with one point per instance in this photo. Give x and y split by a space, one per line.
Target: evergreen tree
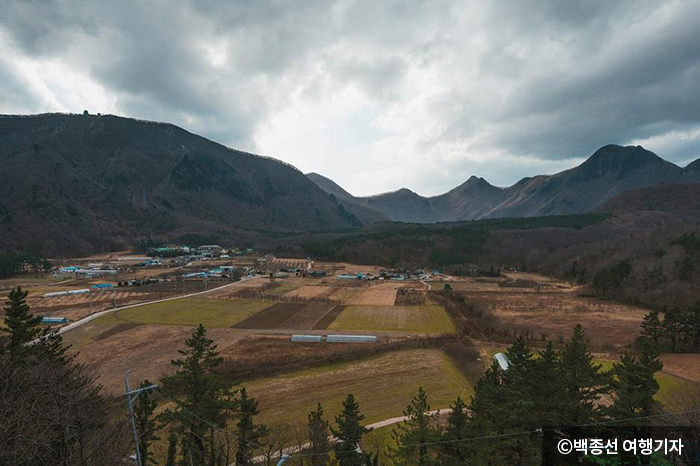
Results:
691 326
582 381
651 328
633 385
205 397
319 432
144 408
673 327
21 326
412 435
547 387
454 450
248 432
348 434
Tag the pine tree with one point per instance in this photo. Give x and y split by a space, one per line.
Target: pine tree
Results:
412 435
547 387
582 381
490 415
651 327
633 385
205 396
248 432
673 327
21 326
454 450
691 326
145 422
348 434
318 438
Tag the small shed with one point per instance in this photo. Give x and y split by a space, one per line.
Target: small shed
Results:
502 360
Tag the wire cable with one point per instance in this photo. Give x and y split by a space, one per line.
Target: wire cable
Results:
527 432
226 454
205 421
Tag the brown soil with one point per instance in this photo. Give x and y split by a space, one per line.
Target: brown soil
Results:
147 349
328 319
307 317
271 317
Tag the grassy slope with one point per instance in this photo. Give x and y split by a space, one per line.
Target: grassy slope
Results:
424 319
383 385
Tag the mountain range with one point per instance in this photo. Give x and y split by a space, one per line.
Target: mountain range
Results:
609 171
77 184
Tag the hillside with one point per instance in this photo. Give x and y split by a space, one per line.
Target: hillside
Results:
670 198
609 171
74 184
365 214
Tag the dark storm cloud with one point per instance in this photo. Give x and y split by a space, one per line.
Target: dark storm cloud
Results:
377 94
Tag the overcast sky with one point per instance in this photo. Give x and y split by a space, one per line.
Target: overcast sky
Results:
376 95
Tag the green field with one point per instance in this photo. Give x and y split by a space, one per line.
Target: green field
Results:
194 311
383 385
417 319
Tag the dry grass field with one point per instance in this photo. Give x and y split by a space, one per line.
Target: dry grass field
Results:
553 315
147 349
383 386
686 366
349 292
417 319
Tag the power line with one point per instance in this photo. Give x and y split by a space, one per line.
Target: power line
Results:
205 421
226 454
527 432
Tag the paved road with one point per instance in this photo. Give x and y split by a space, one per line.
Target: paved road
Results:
91 317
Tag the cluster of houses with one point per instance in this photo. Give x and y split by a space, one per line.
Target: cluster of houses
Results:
90 271
204 252
392 275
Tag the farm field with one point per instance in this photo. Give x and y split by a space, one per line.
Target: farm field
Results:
115 346
349 292
192 311
421 319
383 385
608 325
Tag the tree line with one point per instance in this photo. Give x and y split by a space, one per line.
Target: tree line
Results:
678 331
18 263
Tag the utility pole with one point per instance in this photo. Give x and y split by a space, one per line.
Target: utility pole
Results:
130 397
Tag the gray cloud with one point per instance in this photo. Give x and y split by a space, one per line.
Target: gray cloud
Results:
375 94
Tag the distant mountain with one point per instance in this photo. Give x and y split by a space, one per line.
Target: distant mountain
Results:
364 214
693 167
609 171
74 184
